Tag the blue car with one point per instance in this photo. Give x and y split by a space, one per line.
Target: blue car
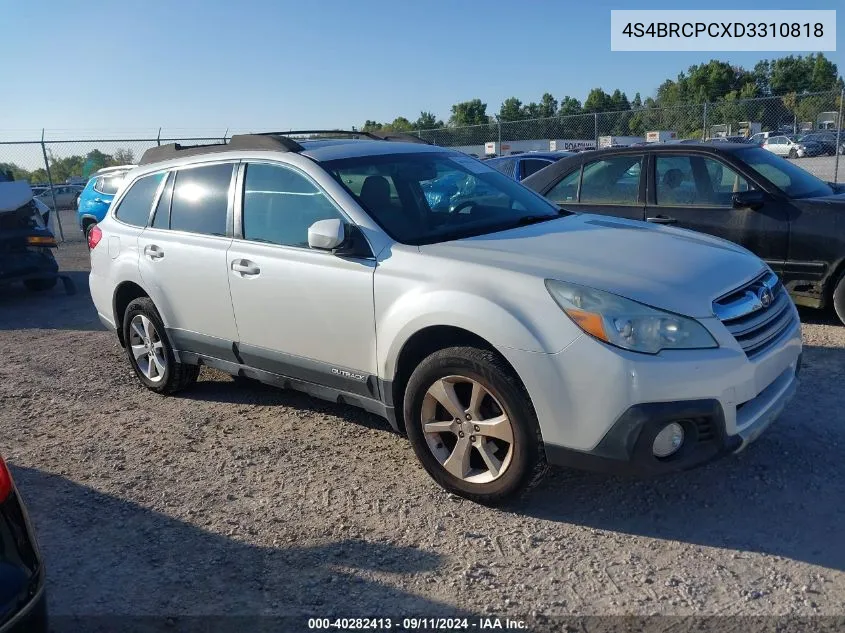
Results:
521 166
95 199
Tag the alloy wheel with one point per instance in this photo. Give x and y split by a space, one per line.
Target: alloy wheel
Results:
147 348
467 429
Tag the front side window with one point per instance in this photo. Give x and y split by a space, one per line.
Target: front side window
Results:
427 197
695 181
201 199
279 204
614 180
136 204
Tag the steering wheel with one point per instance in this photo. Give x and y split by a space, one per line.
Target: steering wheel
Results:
462 205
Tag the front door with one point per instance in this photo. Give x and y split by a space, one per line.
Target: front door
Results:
303 313
695 191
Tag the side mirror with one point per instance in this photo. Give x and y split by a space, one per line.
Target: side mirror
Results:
326 235
752 199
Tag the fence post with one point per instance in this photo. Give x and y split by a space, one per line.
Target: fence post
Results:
596 127
499 124
55 209
704 124
838 137
158 137
225 134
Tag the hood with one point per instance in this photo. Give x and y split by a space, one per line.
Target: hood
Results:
13 195
672 269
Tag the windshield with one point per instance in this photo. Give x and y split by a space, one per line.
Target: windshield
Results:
433 197
792 180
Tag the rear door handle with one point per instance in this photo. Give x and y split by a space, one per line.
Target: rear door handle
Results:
661 219
153 252
245 267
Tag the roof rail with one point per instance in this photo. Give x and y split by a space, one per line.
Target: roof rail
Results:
269 142
376 136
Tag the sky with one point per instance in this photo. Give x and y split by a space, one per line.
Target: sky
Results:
194 65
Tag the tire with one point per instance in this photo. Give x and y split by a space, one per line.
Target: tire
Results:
839 298
793 154
165 376
521 463
40 285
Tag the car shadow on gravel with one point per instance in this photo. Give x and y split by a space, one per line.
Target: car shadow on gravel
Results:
783 496
22 309
108 556
818 317
219 387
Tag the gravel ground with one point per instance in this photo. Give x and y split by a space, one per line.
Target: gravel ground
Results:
244 499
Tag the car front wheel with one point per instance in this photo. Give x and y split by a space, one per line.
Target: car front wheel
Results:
150 352
472 425
839 298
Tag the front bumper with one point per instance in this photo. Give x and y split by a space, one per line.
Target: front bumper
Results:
627 447
600 407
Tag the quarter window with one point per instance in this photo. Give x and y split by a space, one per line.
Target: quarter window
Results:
532 165
614 180
201 199
280 204
135 206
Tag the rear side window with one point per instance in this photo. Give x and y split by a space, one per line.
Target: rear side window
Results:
532 165
567 189
504 166
136 205
614 180
201 199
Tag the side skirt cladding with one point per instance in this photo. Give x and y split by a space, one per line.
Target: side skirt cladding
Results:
321 380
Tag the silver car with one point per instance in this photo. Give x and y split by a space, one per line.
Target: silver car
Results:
65 196
498 332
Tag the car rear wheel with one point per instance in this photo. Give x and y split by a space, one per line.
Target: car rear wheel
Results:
472 425
150 352
40 285
793 153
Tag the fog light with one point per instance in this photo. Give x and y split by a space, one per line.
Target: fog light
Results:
669 440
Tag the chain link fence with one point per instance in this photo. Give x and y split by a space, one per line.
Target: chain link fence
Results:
802 128
806 128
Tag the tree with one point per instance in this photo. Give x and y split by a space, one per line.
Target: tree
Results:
123 156
597 101
400 124
371 126
636 102
427 121
568 106
619 101
472 112
94 160
511 110
18 173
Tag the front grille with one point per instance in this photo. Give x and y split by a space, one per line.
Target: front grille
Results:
754 325
704 429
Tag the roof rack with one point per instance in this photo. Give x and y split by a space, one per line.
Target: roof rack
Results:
377 136
272 141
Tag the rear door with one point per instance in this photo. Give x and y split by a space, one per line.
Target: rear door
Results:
183 258
695 191
611 185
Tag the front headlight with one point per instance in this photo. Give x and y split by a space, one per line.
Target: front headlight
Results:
628 324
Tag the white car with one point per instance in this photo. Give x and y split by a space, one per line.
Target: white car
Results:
499 333
785 146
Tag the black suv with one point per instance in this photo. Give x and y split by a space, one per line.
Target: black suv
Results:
740 192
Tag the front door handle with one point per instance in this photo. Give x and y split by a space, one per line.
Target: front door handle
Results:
661 219
153 252
245 267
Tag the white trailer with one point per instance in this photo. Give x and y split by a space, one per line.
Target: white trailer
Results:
619 141
660 136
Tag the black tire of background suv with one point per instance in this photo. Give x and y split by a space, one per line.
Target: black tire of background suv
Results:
177 376
528 464
39 285
839 298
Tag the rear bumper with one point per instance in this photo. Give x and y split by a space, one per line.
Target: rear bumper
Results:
29 264
627 446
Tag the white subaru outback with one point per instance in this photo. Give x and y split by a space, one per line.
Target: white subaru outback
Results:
498 332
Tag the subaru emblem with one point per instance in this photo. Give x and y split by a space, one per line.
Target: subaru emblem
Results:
764 294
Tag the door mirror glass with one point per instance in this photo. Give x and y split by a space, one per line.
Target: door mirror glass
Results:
326 235
752 199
